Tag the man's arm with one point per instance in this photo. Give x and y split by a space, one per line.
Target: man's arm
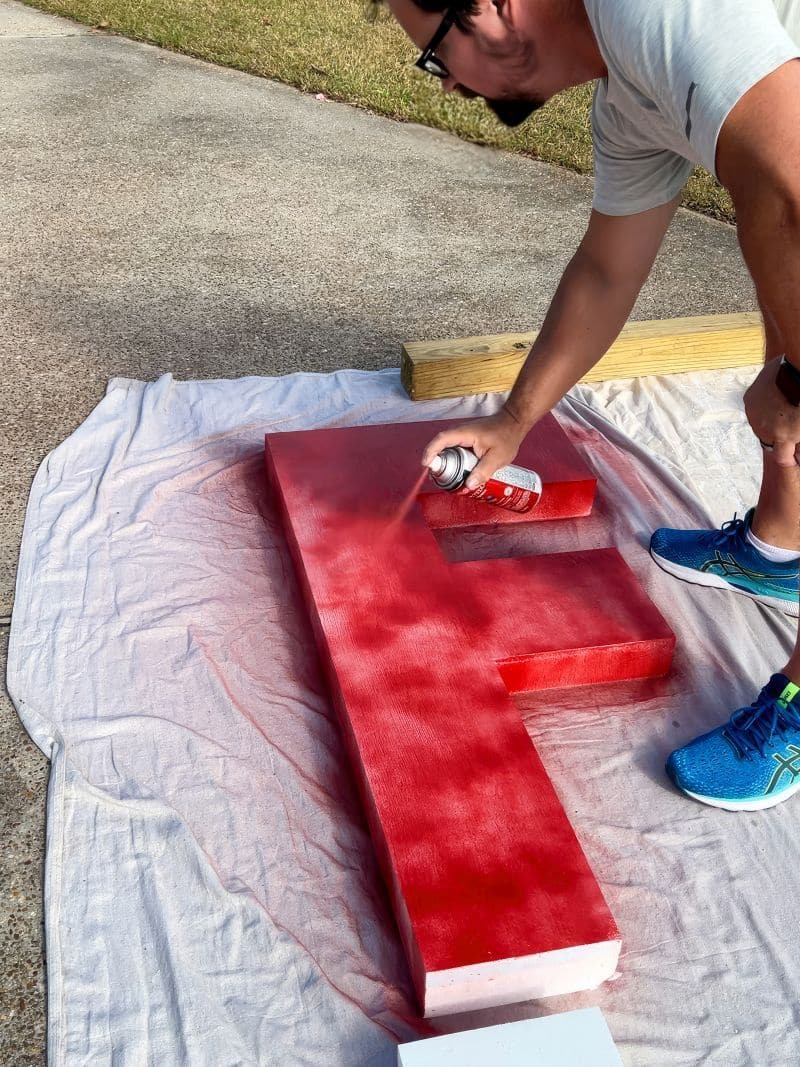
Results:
758 159
590 307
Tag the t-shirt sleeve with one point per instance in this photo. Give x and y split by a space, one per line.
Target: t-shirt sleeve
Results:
691 61
630 175
715 53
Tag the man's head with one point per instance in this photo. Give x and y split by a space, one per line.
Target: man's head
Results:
514 53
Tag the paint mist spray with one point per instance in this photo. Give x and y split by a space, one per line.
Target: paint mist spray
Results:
513 488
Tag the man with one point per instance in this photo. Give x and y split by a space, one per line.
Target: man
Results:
679 82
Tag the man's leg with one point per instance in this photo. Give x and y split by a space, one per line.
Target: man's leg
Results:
777 522
756 556
777 517
752 761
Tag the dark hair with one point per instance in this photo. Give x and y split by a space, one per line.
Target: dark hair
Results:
466 9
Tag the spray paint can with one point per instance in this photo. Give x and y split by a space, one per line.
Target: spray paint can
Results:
513 488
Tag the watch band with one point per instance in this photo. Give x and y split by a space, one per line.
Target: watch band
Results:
788 381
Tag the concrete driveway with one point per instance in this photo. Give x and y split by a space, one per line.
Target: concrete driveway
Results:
162 214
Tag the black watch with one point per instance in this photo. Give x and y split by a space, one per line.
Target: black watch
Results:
788 381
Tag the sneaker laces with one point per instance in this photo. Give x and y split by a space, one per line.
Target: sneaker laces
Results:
751 729
729 530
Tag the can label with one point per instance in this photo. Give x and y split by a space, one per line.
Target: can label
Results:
503 495
513 488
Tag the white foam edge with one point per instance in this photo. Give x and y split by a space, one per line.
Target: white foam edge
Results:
520 978
566 1039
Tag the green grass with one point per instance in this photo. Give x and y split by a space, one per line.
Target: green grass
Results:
329 46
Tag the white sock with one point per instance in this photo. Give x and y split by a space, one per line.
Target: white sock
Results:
773 554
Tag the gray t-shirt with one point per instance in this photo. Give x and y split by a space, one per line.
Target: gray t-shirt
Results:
676 68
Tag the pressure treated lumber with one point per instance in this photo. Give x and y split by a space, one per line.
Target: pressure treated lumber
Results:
494 899
572 1039
434 369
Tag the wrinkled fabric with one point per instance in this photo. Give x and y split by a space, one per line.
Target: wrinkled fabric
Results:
211 893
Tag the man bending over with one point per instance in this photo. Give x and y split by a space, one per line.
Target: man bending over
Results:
679 82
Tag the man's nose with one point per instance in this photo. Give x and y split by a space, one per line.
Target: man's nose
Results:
449 84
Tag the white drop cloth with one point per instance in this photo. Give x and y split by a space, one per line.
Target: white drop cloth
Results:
211 896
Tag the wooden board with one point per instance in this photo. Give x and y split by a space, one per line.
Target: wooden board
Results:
433 369
572 1039
494 898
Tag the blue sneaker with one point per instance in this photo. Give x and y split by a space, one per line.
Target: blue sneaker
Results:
751 763
725 559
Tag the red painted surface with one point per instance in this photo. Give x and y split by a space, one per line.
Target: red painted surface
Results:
481 861
571 618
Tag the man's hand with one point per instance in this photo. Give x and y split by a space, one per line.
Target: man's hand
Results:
774 421
495 440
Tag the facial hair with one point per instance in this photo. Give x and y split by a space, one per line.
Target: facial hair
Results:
513 112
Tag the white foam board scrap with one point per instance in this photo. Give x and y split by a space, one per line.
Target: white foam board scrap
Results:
571 1039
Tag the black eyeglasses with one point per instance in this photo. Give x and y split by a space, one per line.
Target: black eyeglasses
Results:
509 112
429 61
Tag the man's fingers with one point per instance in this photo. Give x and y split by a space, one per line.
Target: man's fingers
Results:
434 448
483 471
783 453
459 435
492 440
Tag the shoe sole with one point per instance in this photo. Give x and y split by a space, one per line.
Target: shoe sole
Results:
741 805
713 581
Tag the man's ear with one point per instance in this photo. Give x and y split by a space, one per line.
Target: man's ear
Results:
501 12
495 28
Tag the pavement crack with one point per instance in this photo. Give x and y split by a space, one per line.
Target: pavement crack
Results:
40 36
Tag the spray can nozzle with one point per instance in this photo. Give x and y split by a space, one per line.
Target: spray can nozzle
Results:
450 469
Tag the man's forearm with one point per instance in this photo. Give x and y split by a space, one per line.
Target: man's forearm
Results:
769 234
592 302
585 317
